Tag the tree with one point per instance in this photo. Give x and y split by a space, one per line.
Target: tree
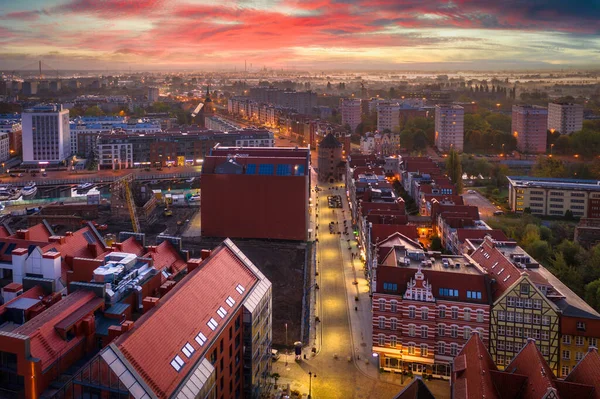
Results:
436 244
454 168
540 250
592 294
565 273
94 111
549 167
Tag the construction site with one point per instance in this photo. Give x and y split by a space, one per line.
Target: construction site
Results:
133 206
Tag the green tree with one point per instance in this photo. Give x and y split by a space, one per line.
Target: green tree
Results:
540 250
549 167
454 169
592 294
436 243
94 111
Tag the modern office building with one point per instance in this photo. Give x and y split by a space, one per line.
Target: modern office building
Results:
351 112
4 147
449 127
425 308
565 118
388 116
46 133
256 193
529 127
554 196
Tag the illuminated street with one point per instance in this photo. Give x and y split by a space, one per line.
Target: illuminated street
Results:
343 364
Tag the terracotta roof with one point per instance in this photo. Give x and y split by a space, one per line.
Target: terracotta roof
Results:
367 207
587 371
381 232
132 246
387 217
165 256
467 210
160 334
45 342
4 232
39 232
464 234
472 376
415 390
497 265
530 362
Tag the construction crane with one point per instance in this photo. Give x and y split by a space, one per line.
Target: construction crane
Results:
131 205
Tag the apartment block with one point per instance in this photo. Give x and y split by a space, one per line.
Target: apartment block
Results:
554 196
47 134
351 110
565 118
388 116
449 127
529 126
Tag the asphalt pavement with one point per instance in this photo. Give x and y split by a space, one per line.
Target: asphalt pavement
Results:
486 208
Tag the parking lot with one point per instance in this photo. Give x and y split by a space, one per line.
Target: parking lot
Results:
486 208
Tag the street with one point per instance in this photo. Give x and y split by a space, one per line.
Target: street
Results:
486 208
344 365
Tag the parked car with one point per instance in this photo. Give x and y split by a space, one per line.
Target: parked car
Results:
498 213
274 354
194 198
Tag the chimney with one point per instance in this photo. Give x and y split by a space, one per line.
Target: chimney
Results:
23 234
69 233
149 303
92 248
193 264
166 287
205 253
127 325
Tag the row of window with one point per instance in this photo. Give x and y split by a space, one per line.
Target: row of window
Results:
526 318
527 303
448 292
520 332
424 313
424 348
424 330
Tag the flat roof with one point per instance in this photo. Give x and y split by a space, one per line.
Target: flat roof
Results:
554 183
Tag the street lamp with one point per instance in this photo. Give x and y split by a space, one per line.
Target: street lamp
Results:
551 147
311 375
286 346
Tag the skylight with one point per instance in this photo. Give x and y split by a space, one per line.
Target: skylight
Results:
500 272
506 278
494 265
222 312
230 301
177 363
188 350
201 339
240 289
212 323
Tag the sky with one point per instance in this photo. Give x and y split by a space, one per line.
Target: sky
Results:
302 35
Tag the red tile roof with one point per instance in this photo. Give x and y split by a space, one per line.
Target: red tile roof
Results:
39 232
160 334
530 362
131 246
368 207
587 371
4 232
465 234
387 217
498 266
165 256
472 377
45 342
380 232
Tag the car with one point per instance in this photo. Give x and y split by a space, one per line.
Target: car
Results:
498 213
13 175
194 198
20 175
44 174
471 191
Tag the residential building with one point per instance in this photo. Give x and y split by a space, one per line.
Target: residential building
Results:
47 134
351 111
388 116
30 87
425 308
4 147
475 376
380 143
301 101
256 193
449 127
565 118
554 196
115 156
587 232
11 125
529 126
330 161
415 390
219 124
153 94
187 147
523 294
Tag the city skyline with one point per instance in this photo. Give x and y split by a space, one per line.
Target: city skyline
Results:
314 34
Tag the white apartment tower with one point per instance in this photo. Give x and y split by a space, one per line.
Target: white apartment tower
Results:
565 118
46 134
351 112
449 127
388 116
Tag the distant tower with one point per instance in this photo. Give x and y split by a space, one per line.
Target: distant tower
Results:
208 109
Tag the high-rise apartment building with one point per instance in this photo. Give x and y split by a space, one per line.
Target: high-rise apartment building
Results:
153 94
529 126
388 116
47 134
449 127
565 118
351 112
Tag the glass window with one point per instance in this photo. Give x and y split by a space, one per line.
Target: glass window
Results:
393 324
265 169
566 355
381 322
501 315
393 341
442 312
424 314
394 306
441 348
467 332
510 301
441 330
424 331
424 350
411 312
566 339
545 335
455 313
381 340
578 356
411 349
411 330
284 170
251 169
480 315
467 314
454 331
381 305
593 342
453 349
